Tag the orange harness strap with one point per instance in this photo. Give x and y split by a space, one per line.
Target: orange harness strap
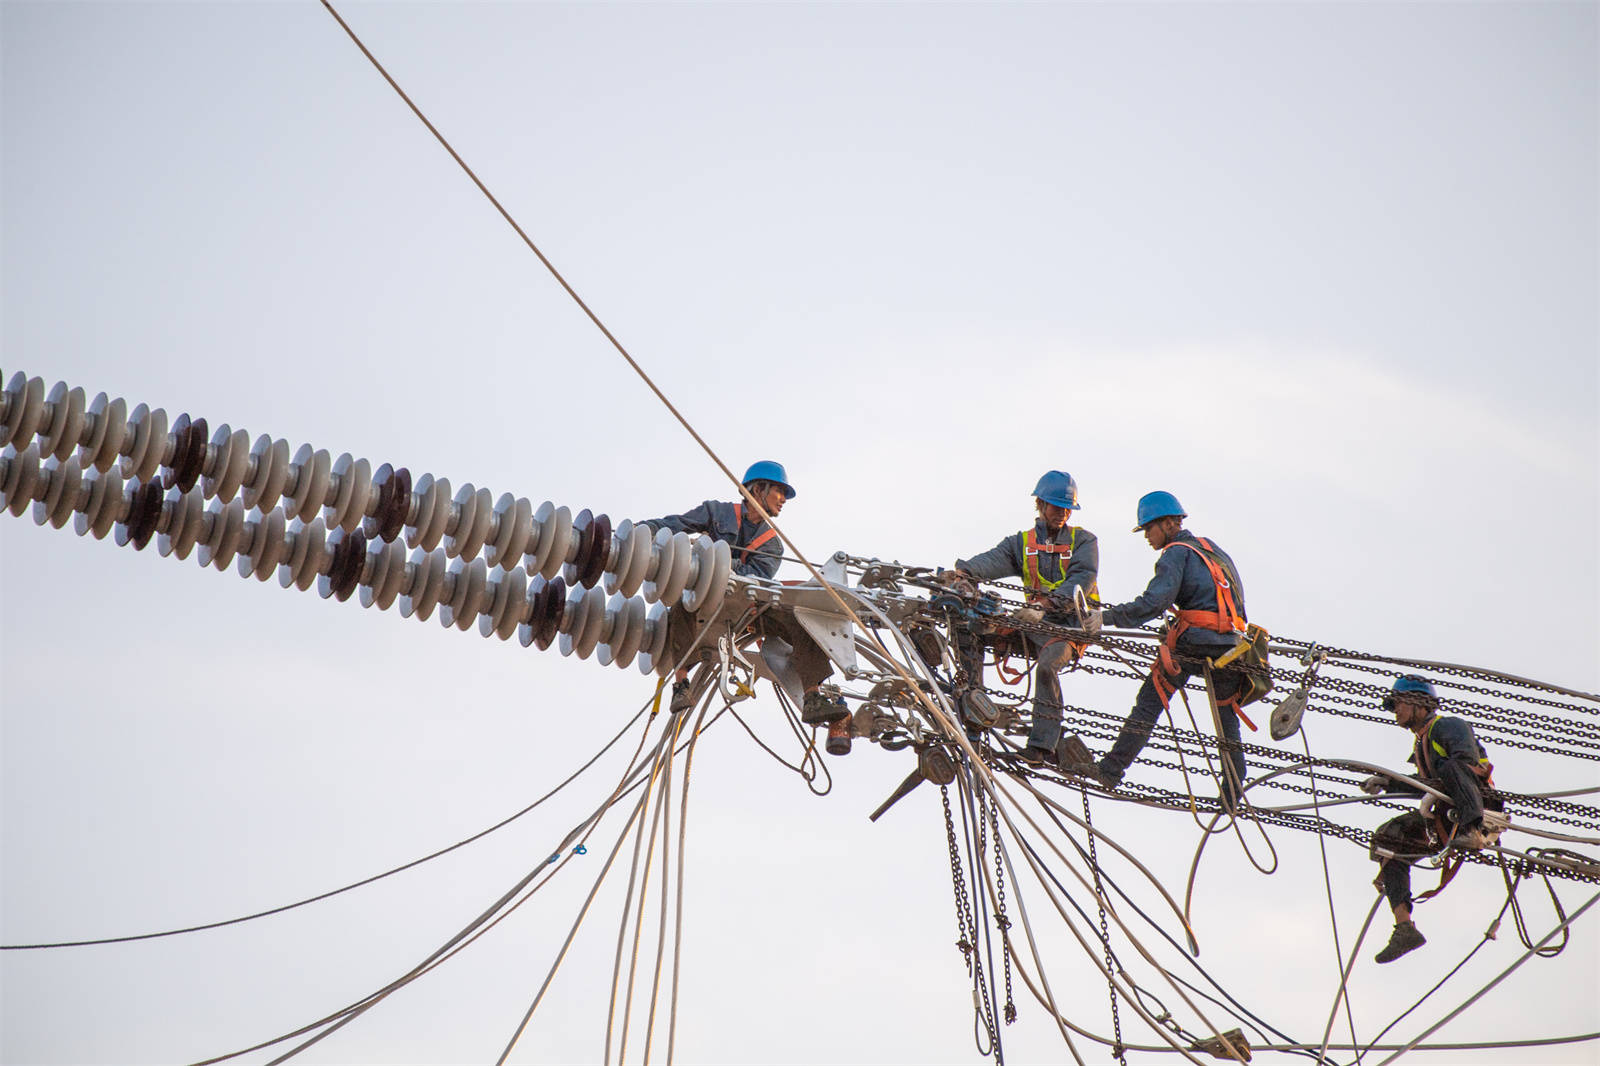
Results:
1164 671
760 538
1226 618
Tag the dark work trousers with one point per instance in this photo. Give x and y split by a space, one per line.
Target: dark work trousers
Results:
1050 654
808 660
1405 835
1455 780
1147 710
1396 877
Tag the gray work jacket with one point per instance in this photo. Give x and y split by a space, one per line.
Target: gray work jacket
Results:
1182 580
721 521
1082 567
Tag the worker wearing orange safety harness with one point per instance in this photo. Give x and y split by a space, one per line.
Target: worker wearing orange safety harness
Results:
756 553
1200 584
1053 559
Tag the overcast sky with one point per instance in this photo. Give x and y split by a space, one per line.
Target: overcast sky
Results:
1328 272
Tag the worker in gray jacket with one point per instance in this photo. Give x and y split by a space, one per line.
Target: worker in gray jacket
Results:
756 553
1054 559
1448 757
756 548
1201 585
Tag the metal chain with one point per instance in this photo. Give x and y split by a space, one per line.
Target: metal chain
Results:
967 931
1542 808
958 882
982 979
1343 658
1105 935
1167 738
1000 912
1290 820
1354 657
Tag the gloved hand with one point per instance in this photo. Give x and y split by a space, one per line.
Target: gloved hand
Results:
1030 614
1090 621
1374 785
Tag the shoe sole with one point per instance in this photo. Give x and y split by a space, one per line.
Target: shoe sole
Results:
810 719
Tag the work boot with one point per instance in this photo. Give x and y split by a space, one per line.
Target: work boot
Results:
839 737
1406 937
1072 749
1471 837
681 700
822 710
1035 756
1091 771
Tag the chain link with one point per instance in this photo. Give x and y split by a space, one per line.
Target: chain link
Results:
980 849
967 929
1000 912
1105 936
1290 820
958 882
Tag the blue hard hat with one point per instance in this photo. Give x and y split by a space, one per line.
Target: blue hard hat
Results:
1057 487
1411 685
1154 505
767 470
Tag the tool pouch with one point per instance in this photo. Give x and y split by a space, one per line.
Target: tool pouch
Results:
1405 838
1249 658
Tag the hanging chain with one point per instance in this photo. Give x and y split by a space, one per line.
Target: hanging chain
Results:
964 936
1105 936
981 979
1000 912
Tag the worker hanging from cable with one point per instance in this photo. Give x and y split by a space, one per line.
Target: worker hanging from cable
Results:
1447 757
1200 583
1053 559
757 552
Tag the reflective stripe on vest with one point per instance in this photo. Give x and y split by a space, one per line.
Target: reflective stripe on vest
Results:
1483 769
1226 618
1426 741
1031 550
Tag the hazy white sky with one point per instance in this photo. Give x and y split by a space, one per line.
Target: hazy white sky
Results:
1327 272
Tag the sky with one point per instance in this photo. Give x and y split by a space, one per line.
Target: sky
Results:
1327 272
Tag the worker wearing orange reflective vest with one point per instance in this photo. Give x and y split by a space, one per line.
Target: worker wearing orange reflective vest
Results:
1053 559
1200 583
756 553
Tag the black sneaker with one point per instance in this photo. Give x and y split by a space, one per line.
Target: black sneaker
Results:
823 710
1406 937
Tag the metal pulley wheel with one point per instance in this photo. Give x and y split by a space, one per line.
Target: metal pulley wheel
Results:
978 709
936 765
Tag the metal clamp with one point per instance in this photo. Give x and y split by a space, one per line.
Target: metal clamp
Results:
733 664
